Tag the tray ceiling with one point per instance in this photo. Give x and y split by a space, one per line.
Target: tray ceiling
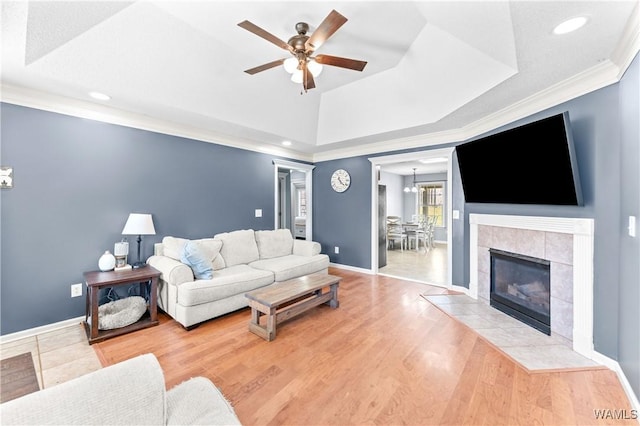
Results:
433 66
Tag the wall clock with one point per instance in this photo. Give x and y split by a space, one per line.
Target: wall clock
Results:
340 180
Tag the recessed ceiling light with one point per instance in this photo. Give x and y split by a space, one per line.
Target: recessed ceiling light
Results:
433 160
286 143
99 96
570 25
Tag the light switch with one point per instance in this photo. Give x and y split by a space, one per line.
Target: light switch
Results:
632 226
258 212
456 214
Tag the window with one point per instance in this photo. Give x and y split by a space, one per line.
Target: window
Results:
431 202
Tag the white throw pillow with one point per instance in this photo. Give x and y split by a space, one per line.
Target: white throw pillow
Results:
238 247
212 249
173 247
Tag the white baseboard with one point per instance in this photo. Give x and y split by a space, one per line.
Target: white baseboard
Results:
460 289
39 330
351 268
615 366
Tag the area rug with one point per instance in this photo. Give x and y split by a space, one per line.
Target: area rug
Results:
17 377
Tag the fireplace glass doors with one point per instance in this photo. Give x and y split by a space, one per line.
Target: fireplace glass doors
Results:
520 287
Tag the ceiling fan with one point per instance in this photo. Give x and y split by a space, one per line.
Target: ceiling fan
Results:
303 65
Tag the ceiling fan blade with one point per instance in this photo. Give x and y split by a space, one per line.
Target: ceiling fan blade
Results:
337 61
307 79
264 34
330 25
264 67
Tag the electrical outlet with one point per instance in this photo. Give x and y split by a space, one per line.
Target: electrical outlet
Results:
76 290
258 212
336 250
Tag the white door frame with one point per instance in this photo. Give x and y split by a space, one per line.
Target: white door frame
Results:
307 169
388 159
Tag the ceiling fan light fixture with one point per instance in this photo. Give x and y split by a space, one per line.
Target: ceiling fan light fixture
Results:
290 65
314 68
302 66
296 77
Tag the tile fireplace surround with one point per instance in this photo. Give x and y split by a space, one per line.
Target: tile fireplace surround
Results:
566 242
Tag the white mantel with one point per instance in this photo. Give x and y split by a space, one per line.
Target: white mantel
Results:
583 247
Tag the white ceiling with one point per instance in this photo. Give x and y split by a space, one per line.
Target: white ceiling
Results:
438 71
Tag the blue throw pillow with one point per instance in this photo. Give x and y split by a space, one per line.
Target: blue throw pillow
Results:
193 256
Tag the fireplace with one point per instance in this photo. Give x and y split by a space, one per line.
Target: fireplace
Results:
520 287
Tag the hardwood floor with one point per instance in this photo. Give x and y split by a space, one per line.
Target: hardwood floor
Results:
428 267
385 356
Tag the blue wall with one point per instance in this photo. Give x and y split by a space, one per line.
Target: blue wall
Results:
629 279
77 180
343 219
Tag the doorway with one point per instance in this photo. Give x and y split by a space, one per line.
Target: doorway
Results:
293 184
435 265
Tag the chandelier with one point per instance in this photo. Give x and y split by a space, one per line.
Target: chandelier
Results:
414 188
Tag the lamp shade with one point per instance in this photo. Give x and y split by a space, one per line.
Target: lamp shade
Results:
139 224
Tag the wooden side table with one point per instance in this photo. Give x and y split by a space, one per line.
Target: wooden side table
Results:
96 280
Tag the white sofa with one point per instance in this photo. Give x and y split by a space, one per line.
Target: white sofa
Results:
131 392
242 261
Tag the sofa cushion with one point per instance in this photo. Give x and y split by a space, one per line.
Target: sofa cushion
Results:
274 243
306 248
238 247
237 279
197 259
292 266
173 247
131 392
198 402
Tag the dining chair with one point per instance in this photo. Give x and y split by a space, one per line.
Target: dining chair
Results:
430 226
395 232
418 233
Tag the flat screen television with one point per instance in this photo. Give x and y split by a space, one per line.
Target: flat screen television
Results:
530 164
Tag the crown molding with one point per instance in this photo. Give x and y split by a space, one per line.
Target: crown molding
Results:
629 44
31 98
594 78
419 141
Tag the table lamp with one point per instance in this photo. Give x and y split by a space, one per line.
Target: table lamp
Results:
139 224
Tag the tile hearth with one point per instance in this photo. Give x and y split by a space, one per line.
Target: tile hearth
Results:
529 347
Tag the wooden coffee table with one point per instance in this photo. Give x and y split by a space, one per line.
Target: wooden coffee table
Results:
284 300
